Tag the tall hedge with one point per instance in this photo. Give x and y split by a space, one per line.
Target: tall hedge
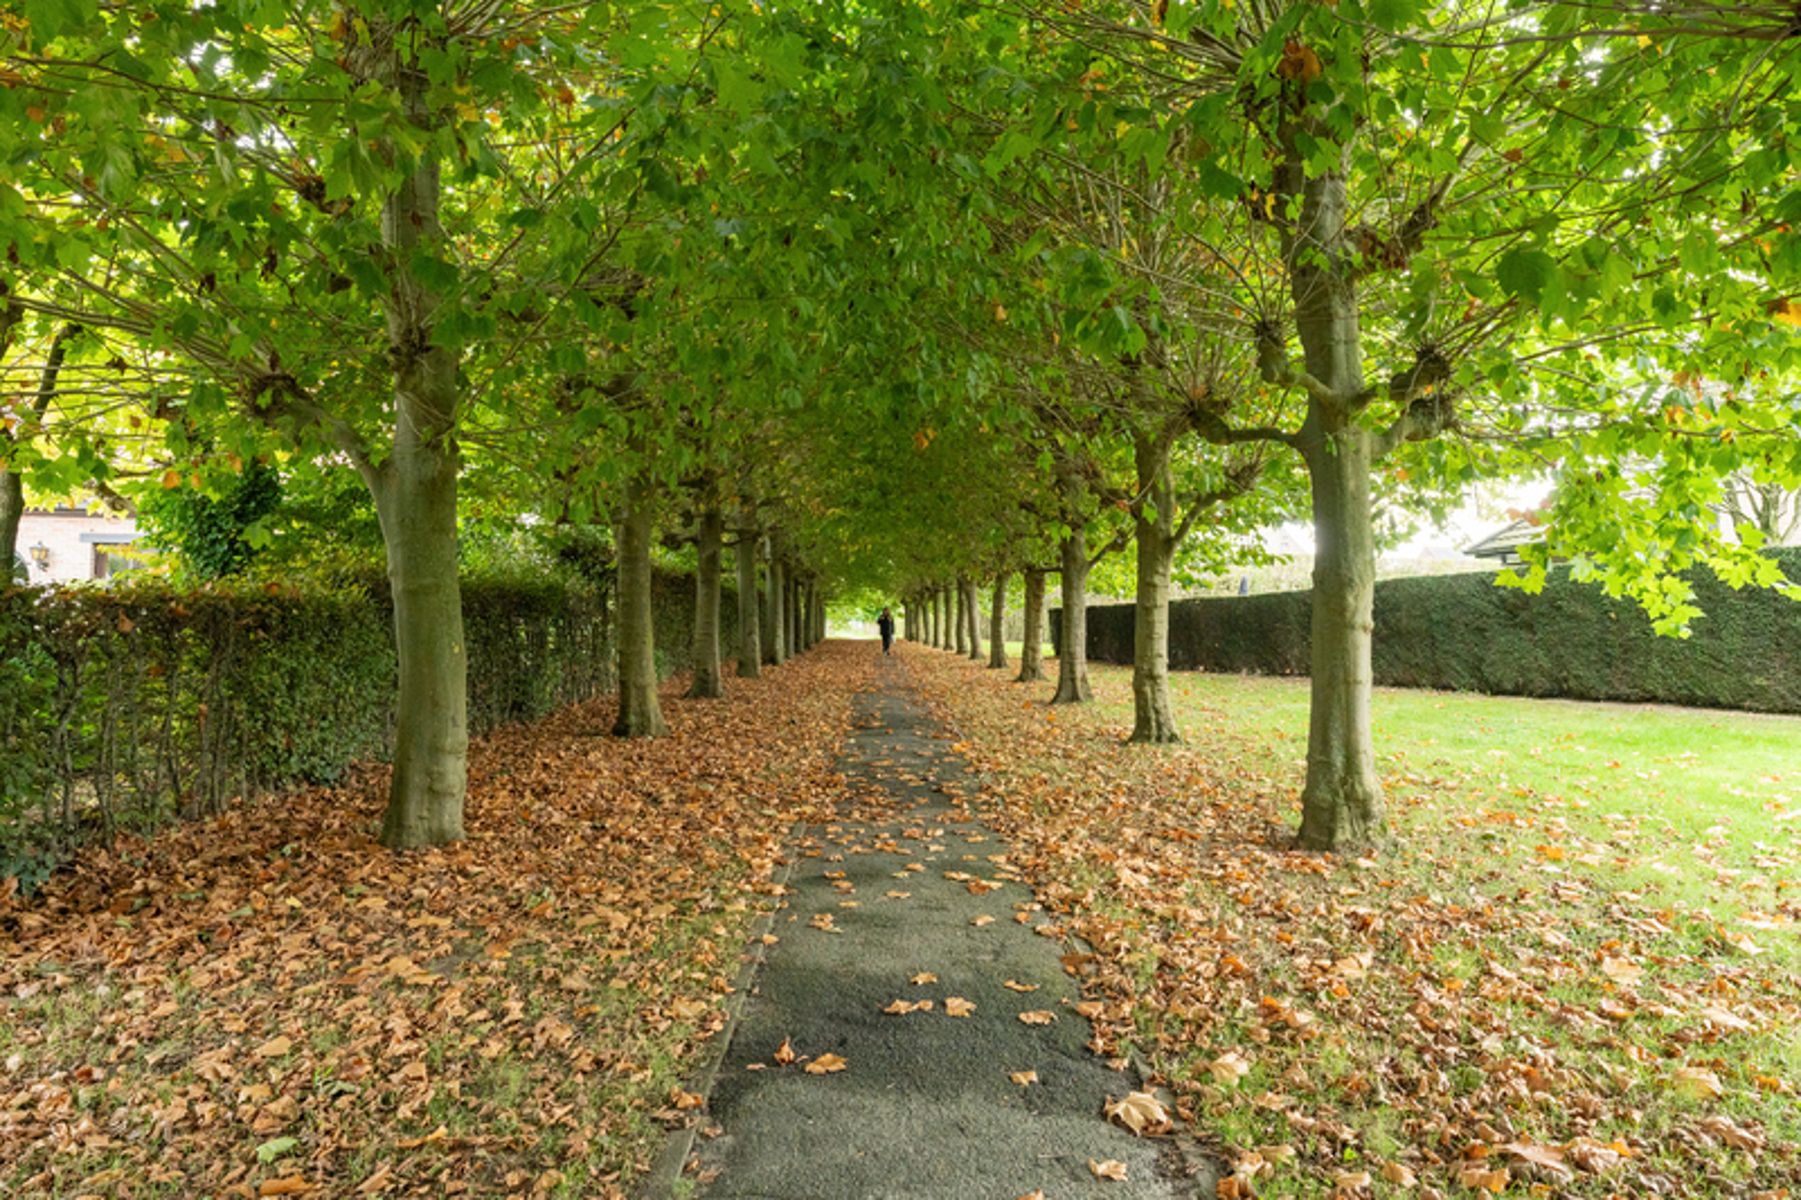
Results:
127 706
1463 633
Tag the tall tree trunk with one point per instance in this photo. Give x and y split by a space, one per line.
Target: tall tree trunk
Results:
750 641
415 491
959 618
12 484
640 713
707 683
941 629
778 605
12 488
1031 654
1342 805
997 624
1154 530
972 609
415 494
1072 648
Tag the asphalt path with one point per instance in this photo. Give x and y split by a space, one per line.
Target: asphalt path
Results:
925 1106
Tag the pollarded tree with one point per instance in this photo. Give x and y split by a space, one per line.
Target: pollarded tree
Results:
1477 221
332 211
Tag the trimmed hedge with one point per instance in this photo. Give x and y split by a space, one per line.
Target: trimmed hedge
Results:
1463 633
127 706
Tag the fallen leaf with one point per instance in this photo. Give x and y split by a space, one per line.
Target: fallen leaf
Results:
981 921
1140 1112
825 1064
1698 1082
1038 1016
290 1185
784 1053
957 1006
1110 1168
1398 1174
923 978
1013 985
1229 1068
275 1047
1022 1078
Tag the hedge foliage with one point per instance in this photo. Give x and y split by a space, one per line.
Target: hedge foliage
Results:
1463 633
127 706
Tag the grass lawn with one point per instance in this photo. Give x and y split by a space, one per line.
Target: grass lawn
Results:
1575 972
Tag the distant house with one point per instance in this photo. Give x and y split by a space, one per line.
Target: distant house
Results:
69 545
1503 545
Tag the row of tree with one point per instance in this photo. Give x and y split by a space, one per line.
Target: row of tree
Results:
912 296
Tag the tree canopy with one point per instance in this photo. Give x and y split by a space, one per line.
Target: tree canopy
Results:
893 297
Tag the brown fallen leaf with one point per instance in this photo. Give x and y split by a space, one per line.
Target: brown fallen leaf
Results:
1698 1082
1540 1159
1351 1181
826 1064
275 1047
1022 1078
981 921
1399 1174
1731 1132
900 1008
1013 985
1038 1016
1089 1008
1110 1169
288 1185
1229 1068
923 978
1621 970
1140 1112
957 1006
1034 1194
1483 1179
784 1053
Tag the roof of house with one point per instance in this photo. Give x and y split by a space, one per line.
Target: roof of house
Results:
1508 539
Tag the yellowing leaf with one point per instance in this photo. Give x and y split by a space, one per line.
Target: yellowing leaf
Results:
1038 1016
826 1064
1023 1078
923 978
957 1006
784 1053
1013 985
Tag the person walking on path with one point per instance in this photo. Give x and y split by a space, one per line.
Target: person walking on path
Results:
885 623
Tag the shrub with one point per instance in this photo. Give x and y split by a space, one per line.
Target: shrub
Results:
1462 633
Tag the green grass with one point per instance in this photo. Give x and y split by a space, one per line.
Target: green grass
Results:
1540 837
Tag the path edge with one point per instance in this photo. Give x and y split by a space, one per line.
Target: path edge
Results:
662 1180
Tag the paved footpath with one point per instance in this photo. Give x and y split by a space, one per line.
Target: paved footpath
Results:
925 1107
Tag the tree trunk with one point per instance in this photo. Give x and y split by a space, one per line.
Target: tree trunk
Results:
1072 648
415 490
707 683
778 614
959 618
1154 529
941 628
640 713
972 608
997 625
750 641
1031 654
415 493
12 508
1342 805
